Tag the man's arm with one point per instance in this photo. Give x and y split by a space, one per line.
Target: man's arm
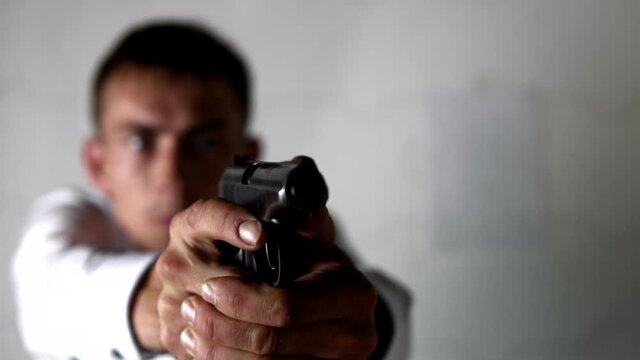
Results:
68 283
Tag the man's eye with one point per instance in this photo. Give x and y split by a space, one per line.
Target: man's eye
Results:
139 142
204 143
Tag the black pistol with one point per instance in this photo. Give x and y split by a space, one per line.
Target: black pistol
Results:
283 195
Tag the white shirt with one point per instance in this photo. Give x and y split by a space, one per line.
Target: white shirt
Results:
74 299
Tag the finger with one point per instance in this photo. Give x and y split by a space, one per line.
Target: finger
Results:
319 228
171 325
329 339
347 291
211 324
217 219
205 349
182 274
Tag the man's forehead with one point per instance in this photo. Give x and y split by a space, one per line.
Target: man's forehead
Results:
134 80
152 95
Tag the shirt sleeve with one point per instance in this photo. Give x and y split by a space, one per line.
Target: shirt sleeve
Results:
73 300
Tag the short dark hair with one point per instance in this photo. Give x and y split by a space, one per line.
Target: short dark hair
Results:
183 48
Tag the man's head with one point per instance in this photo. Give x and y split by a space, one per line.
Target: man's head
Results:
170 106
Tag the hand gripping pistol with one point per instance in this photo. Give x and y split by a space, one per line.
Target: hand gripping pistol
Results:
283 195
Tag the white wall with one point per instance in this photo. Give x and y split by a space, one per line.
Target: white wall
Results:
352 83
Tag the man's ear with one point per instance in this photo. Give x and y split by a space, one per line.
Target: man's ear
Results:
94 161
252 147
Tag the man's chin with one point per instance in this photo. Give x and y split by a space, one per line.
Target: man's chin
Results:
154 237
158 242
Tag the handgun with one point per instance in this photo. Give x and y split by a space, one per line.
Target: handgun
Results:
283 195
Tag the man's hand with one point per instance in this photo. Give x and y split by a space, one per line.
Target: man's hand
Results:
210 309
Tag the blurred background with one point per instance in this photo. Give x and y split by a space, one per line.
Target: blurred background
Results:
485 153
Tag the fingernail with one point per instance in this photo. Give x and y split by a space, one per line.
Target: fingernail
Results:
188 341
188 311
209 294
249 231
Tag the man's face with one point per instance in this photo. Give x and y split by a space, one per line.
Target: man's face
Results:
165 141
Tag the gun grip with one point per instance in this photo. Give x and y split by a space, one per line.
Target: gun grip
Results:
276 262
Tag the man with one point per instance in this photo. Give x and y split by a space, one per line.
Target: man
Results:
171 105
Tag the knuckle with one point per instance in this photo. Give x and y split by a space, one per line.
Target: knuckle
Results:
168 339
262 340
235 304
208 325
232 304
213 214
211 352
194 214
177 223
187 222
170 264
228 218
280 312
164 307
364 291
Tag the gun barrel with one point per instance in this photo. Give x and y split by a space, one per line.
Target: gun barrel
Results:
283 192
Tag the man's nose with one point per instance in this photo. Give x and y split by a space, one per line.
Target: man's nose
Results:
169 174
